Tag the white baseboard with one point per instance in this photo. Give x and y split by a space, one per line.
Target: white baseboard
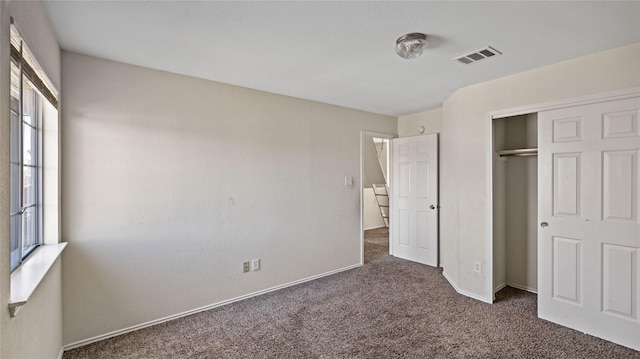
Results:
198 310
61 353
376 227
463 292
513 285
522 287
498 288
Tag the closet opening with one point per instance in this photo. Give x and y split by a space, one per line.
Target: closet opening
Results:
515 203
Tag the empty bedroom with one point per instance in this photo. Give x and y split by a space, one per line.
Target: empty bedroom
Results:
319 179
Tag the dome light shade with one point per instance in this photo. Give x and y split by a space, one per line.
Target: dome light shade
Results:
411 45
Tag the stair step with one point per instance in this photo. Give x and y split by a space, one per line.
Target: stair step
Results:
382 191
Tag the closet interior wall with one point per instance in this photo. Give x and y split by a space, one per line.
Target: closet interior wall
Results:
515 204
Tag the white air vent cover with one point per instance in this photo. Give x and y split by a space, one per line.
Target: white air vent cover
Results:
478 55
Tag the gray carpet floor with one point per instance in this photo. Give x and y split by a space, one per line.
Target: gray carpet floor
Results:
388 308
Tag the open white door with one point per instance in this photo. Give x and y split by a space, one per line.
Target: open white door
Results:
414 199
588 208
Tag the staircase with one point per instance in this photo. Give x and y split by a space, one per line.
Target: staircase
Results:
375 153
381 193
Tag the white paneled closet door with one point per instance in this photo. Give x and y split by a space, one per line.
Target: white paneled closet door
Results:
588 208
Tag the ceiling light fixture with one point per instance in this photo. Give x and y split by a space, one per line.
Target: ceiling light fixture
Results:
411 45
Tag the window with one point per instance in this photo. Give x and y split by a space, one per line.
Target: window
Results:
29 91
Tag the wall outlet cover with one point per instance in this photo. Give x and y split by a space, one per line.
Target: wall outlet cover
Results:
255 264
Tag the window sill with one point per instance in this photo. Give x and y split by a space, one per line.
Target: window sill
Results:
28 276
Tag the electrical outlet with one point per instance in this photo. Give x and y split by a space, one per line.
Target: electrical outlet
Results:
245 267
348 181
255 264
477 267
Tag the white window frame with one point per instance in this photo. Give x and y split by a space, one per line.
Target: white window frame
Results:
26 163
27 276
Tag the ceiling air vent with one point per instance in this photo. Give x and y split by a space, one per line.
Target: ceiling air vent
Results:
478 55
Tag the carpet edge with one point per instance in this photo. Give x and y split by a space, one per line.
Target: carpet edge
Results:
132 328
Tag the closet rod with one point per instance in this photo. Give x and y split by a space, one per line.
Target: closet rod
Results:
522 152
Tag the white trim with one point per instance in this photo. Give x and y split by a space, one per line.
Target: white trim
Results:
516 286
489 206
392 205
621 94
26 279
202 309
388 136
522 110
370 228
61 353
498 288
522 287
463 292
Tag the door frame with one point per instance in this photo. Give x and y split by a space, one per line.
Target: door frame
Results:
364 134
523 110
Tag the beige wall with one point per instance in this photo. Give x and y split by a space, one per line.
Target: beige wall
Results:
371 169
464 213
522 208
431 120
36 332
171 182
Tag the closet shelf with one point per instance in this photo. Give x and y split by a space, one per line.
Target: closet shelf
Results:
521 152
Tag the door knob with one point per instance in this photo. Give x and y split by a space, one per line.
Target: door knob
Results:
432 207
544 224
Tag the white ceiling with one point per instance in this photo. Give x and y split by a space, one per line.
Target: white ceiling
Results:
342 52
